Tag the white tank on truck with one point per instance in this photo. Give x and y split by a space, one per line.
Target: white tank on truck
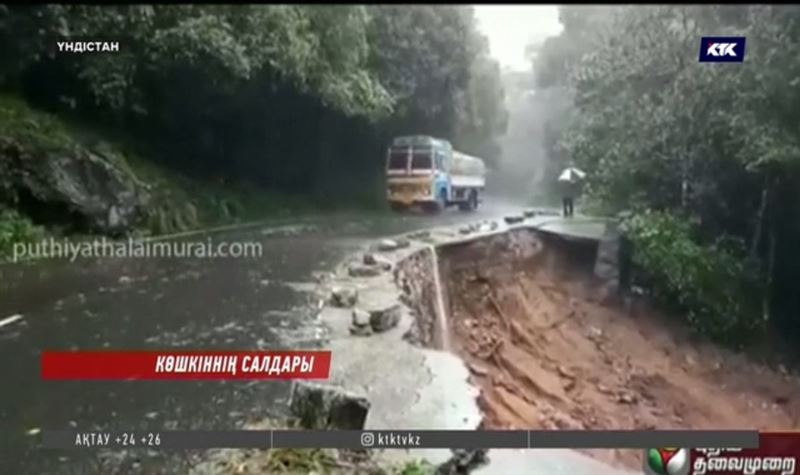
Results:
467 180
467 167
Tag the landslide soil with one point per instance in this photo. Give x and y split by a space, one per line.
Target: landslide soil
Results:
547 353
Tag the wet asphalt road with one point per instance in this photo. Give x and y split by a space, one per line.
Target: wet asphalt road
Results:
254 303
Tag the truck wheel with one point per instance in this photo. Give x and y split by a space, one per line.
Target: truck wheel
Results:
466 204
473 200
471 204
441 203
398 207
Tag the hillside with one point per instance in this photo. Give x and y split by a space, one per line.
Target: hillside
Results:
57 178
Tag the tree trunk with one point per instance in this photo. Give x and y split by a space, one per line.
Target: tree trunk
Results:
766 303
687 166
760 218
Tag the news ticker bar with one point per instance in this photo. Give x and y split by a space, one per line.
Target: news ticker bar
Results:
384 439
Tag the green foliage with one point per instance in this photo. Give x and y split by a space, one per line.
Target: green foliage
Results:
320 49
640 95
300 461
15 229
420 467
175 203
716 143
42 131
711 283
180 204
287 96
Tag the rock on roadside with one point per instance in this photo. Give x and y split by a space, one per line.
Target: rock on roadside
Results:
388 245
360 318
376 261
343 297
384 318
420 235
320 406
86 182
463 461
364 270
360 326
360 331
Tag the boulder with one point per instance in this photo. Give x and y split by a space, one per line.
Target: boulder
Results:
356 330
383 263
487 227
385 318
388 245
360 324
343 297
79 181
318 406
463 461
364 270
465 230
421 235
514 219
529 213
369 259
360 318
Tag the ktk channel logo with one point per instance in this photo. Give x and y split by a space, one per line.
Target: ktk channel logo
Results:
722 49
666 461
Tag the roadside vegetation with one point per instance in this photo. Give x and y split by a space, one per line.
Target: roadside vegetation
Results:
15 229
322 462
705 157
175 202
303 461
229 112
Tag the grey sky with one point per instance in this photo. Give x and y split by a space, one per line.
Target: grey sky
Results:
511 27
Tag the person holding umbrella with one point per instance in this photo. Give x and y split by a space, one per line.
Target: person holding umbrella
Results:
569 179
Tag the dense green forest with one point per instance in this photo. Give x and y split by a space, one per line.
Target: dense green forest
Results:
290 98
703 157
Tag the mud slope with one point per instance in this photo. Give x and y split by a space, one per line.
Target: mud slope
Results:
547 355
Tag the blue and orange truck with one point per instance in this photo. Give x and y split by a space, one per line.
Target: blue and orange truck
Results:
427 172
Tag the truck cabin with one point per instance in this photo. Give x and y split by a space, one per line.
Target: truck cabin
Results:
407 158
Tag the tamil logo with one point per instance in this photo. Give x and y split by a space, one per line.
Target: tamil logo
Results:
666 461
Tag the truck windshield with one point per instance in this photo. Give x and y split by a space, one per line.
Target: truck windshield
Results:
398 159
422 159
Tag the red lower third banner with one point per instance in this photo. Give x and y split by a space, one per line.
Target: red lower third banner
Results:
184 365
777 454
